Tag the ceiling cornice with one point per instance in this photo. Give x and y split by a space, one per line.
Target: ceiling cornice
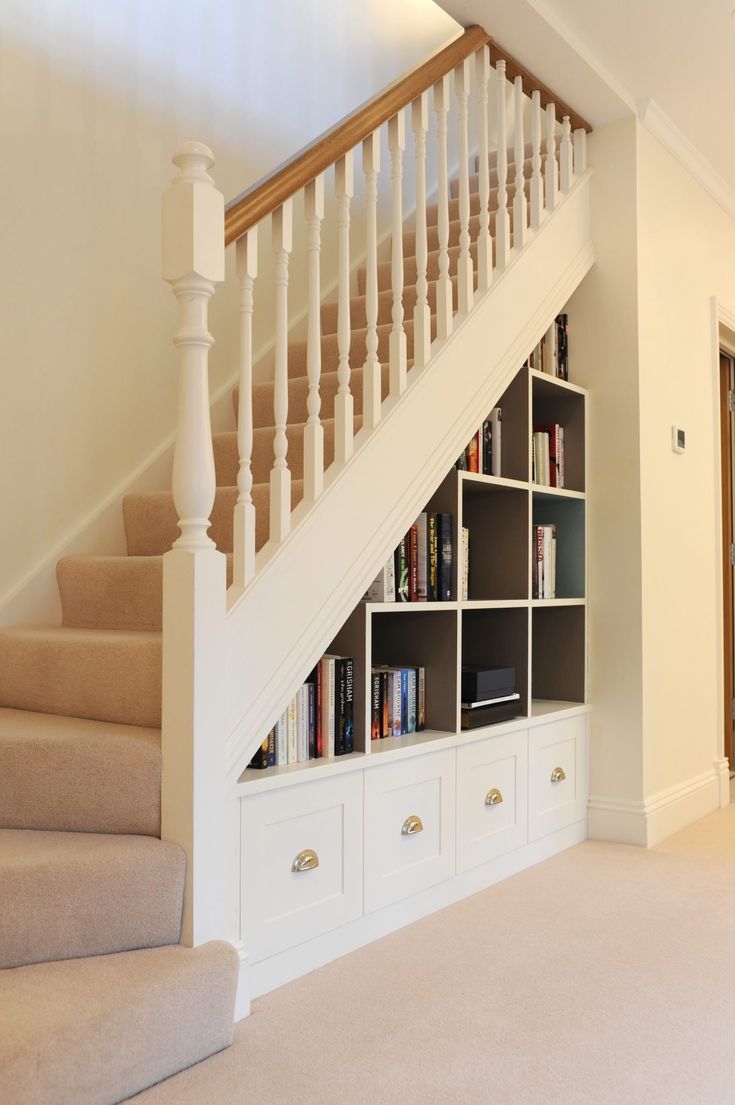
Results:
686 153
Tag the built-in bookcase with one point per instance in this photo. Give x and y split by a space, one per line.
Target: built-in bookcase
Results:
500 623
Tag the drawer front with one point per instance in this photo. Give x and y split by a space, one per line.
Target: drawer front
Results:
492 815
286 829
409 827
557 774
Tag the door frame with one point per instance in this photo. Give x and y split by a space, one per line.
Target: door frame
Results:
727 385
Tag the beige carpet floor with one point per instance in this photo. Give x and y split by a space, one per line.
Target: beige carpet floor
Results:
605 976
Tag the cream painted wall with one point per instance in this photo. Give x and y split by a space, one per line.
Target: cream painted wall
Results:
94 98
604 358
686 251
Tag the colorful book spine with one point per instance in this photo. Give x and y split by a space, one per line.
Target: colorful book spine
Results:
445 566
433 558
412 700
413 563
422 551
401 562
465 591
293 744
421 700
376 706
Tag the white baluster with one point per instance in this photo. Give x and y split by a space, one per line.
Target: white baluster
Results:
502 218
280 492
484 243
537 182
343 403
243 570
314 431
520 207
421 312
465 277
444 306
580 151
551 175
193 261
565 156
398 353
372 374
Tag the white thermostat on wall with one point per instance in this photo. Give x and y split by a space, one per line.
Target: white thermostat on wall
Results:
678 440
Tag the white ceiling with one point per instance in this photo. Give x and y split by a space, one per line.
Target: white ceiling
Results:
608 58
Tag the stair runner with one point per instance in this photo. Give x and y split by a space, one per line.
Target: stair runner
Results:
97 999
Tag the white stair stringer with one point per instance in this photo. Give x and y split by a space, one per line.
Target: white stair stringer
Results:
305 589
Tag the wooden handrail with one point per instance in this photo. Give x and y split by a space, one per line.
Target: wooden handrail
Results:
513 69
263 197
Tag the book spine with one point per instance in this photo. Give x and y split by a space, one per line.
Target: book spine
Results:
303 723
433 588
293 747
487 447
339 707
496 420
404 701
473 457
319 741
422 578
260 759
375 709
412 701
282 739
311 685
538 562
445 582
349 706
395 680
421 701
413 563
401 561
465 563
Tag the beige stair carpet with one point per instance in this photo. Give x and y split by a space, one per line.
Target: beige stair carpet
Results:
601 977
95 1031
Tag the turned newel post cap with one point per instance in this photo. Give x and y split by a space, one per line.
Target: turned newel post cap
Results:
193 219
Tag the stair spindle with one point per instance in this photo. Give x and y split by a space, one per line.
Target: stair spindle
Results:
520 207
243 568
444 305
280 486
537 181
343 402
193 261
314 431
551 175
398 345
484 242
566 175
502 219
421 311
580 151
465 275
372 375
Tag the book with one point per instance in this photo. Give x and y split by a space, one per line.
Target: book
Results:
383 587
340 706
302 722
541 473
311 743
496 437
328 698
413 563
433 558
394 677
422 550
385 704
261 758
282 739
555 434
544 561
465 582
293 744
421 700
401 563
376 705
445 561
348 720
404 701
473 453
412 700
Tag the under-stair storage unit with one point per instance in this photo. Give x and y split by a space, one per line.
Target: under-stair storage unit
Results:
445 810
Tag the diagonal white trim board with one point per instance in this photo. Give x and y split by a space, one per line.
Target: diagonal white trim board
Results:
305 589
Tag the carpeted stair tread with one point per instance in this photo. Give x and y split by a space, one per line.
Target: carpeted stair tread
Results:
104 674
66 895
298 390
297 350
151 522
227 460
68 774
99 1030
409 268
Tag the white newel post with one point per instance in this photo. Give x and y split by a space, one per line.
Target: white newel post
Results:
193 790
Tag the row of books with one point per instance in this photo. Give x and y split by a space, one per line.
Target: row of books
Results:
420 569
398 701
544 562
551 355
319 720
483 454
548 455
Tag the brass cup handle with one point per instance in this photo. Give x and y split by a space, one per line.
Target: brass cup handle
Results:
305 861
493 797
558 775
411 825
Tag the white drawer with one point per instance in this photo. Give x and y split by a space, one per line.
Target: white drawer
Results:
557 775
409 827
281 906
491 798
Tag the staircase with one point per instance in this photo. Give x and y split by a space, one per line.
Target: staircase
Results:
98 999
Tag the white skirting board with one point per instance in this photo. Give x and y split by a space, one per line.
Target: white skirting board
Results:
649 822
261 978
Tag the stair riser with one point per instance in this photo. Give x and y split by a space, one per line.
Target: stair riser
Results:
297 395
226 460
409 268
62 901
358 316
110 592
105 679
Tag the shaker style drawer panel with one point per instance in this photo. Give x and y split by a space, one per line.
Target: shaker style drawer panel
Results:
557 775
301 862
409 827
492 815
